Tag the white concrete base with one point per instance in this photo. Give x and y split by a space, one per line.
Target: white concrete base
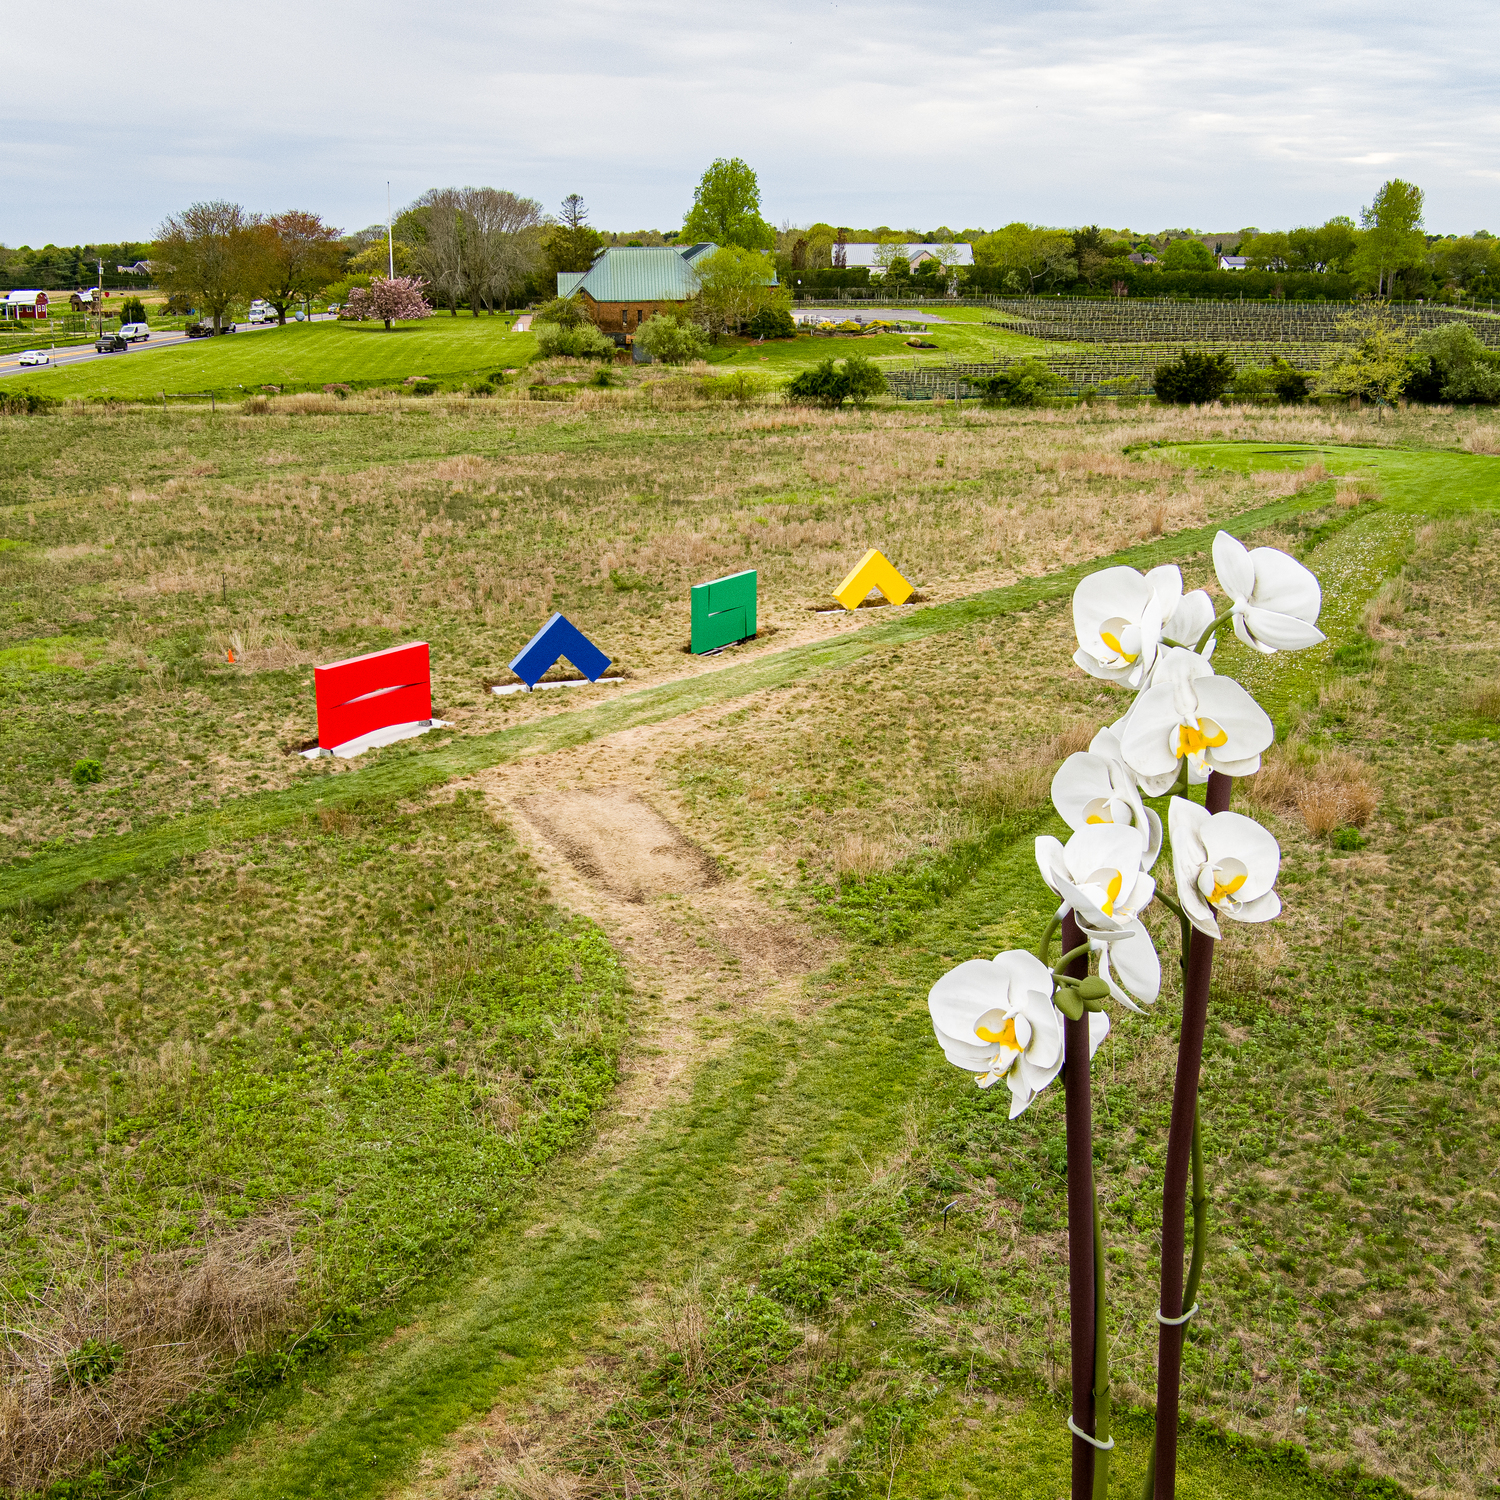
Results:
520 687
377 739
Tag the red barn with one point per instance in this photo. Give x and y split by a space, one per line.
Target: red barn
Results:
24 305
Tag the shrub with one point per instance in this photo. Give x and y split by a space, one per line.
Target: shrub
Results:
1027 383
22 403
86 772
1461 367
1193 378
673 341
564 312
132 310
1251 383
581 342
1288 382
828 385
773 323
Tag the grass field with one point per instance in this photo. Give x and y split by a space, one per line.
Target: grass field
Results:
450 350
300 354
323 1037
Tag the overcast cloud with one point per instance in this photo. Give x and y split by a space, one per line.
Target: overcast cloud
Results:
919 114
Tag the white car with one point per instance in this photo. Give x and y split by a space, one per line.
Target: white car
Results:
35 357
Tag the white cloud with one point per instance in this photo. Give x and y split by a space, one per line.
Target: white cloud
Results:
861 113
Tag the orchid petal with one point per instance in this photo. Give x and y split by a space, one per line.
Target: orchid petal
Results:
1232 564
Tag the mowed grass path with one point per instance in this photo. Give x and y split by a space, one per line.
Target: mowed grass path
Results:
300 354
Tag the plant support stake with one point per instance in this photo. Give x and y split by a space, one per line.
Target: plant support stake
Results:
1175 1184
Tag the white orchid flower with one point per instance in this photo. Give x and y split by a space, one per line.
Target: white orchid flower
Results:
1096 786
1276 599
1225 864
1186 624
1119 615
1098 874
1189 712
995 1017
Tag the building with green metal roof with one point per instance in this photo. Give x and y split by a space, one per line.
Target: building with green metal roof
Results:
628 283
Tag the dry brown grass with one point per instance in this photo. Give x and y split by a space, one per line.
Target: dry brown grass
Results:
1483 440
1328 790
1005 786
105 1352
1484 700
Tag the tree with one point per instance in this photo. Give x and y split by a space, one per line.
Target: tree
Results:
575 213
736 284
572 245
1374 360
1468 264
500 235
565 312
1036 256
299 255
773 323
210 253
1193 378
132 310
1393 238
387 298
1188 255
726 209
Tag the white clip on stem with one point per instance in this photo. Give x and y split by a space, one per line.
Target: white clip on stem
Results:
1079 1432
1175 1322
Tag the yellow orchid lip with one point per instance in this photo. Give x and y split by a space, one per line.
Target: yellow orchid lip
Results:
1194 740
1111 640
1236 874
1005 1037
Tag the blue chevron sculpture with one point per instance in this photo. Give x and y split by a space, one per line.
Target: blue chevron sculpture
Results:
558 637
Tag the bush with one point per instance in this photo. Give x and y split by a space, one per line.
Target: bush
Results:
86 772
1025 384
1461 366
773 323
23 403
565 312
132 310
827 385
673 341
1192 379
1288 382
582 342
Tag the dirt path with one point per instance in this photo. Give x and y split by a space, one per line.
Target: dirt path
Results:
701 948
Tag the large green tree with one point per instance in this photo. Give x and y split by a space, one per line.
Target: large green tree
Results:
210 253
1393 238
726 208
1038 257
736 284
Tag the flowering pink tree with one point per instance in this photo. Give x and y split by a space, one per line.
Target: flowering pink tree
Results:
399 297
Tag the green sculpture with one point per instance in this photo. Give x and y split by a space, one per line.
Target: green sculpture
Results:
723 612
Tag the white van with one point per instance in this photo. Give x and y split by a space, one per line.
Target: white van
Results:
136 333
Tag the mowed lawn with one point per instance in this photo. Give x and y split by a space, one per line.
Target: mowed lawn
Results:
442 347
454 349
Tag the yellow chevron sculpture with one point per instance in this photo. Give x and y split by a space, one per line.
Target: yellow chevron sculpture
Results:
873 571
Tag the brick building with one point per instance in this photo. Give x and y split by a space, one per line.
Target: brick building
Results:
628 283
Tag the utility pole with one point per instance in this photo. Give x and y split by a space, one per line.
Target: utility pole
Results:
390 243
99 297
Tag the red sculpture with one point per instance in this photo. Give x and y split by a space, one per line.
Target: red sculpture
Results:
371 692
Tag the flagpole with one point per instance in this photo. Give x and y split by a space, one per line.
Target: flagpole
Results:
390 243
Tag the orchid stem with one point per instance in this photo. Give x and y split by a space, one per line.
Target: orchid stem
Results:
1207 635
1043 947
1183 920
1101 1357
1068 958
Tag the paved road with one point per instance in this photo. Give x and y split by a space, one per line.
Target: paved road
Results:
10 363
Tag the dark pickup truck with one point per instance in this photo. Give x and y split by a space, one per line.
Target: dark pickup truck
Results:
111 343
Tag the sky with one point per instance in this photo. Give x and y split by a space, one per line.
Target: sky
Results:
1160 115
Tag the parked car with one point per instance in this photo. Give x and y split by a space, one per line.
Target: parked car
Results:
35 357
135 332
111 343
